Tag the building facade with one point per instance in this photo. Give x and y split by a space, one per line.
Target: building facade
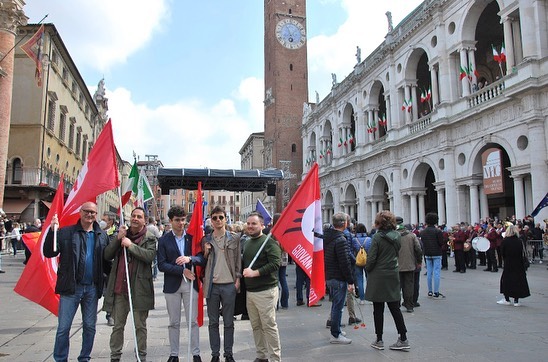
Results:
53 128
407 129
252 157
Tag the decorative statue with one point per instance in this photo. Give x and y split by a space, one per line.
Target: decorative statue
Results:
317 98
389 17
334 79
358 54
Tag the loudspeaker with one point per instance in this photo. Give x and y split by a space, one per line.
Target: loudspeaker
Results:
271 190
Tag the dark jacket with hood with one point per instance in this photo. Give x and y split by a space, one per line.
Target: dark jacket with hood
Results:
72 241
383 277
336 257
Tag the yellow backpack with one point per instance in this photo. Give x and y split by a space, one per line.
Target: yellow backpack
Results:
361 257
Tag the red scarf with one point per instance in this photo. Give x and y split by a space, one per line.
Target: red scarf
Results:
120 286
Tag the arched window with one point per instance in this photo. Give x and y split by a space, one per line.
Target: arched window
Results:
293 147
17 171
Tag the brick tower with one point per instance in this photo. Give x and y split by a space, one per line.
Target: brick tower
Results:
11 16
286 91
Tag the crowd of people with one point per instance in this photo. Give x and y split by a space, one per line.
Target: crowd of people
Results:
243 271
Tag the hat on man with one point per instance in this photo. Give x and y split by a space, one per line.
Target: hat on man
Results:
399 220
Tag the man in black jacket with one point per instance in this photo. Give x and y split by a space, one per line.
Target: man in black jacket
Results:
79 277
338 274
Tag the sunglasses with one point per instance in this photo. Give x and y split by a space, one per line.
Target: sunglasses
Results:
215 218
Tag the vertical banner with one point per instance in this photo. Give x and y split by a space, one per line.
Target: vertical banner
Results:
491 161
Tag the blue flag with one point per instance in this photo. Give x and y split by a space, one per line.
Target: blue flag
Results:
262 210
540 206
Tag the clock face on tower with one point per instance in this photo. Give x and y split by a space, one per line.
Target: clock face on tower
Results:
290 33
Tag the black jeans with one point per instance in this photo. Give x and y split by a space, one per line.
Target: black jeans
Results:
378 316
407 281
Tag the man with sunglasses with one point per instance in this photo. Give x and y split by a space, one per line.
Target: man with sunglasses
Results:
79 277
221 251
175 260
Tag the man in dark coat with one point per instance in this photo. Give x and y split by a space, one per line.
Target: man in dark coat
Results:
338 273
80 281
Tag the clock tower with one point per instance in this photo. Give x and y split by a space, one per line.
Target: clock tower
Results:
286 91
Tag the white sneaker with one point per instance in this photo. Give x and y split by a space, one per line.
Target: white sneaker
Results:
504 302
362 302
340 340
516 304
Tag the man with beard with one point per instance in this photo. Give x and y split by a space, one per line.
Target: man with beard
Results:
140 247
261 280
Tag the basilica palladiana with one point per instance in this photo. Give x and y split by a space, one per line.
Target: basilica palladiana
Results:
448 115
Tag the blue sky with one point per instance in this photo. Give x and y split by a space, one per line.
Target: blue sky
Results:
185 78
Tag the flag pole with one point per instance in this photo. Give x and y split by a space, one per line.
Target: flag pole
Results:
20 40
189 351
55 227
258 252
127 279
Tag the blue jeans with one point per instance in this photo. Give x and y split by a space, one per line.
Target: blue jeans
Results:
358 272
433 267
86 297
284 298
337 290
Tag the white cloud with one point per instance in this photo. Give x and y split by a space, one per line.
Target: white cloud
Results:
188 133
103 33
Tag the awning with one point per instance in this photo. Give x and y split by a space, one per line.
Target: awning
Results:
46 203
212 179
15 206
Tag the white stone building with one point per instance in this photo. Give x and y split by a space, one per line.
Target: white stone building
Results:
428 156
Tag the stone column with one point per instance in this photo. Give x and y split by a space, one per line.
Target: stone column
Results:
376 120
474 204
484 203
407 97
450 193
508 44
388 113
519 197
415 109
434 80
464 81
421 207
539 174
361 129
371 136
396 193
11 16
367 218
361 201
374 212
472 62
414 216
441 205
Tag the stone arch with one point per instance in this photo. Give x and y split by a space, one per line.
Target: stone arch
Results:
349 121
349 202
379 190
423 179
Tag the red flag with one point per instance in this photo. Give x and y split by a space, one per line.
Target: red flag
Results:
33 48
37 282
296 228
99 174
196 230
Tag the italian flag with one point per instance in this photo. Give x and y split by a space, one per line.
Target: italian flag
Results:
423 96
429 94
131 183
464 72
496 55
341 142
502 54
